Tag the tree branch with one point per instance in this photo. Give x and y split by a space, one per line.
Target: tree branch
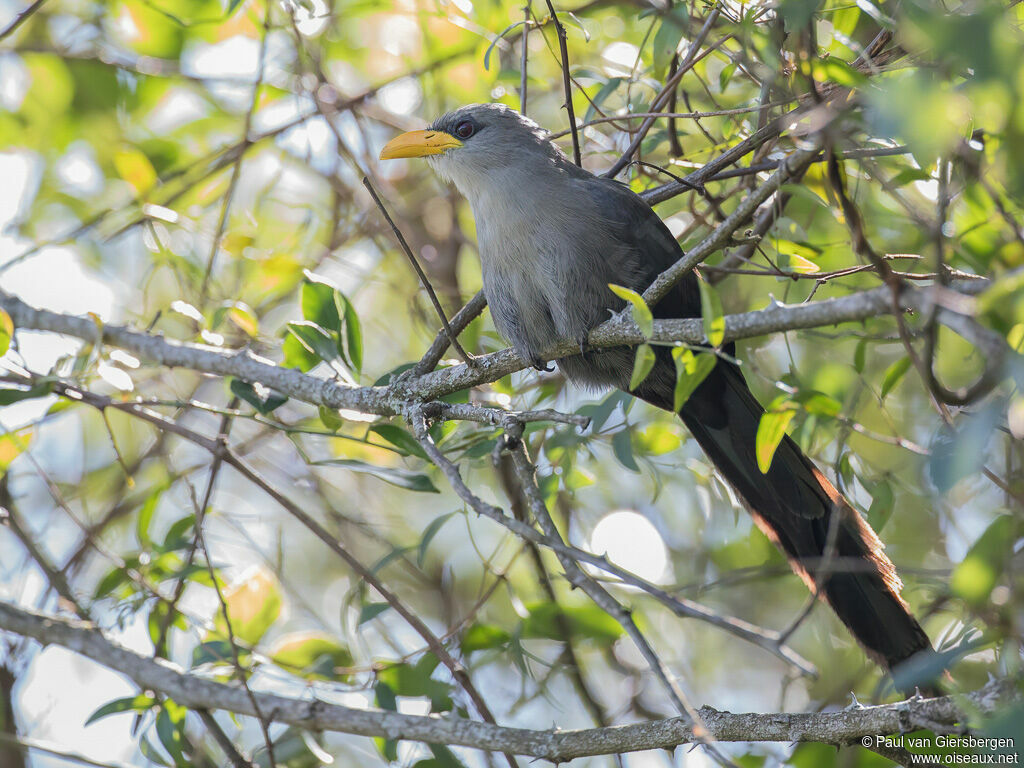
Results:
393 399
844 727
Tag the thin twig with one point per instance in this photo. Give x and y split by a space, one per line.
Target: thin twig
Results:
527 13
261 717
526 474
236 171
456 669
567 84
662 98
160 646
55 577
684 608
441 342
424 281
21 18
569 661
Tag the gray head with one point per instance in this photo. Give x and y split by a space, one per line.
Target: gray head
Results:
480 145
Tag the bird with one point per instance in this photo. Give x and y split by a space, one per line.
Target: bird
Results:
552 238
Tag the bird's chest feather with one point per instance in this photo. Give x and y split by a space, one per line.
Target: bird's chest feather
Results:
536 272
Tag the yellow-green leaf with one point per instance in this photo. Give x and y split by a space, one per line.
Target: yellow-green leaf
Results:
313 655
134 167
711 312
691 370
837 71
791 262
242 316
642 365
770 431
12 445
893 374
797 258
252 605
6 332
641 312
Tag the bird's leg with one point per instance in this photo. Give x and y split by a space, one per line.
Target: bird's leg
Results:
532 358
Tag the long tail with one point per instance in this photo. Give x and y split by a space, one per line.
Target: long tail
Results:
795 505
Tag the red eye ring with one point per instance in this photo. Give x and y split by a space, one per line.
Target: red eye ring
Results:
464 129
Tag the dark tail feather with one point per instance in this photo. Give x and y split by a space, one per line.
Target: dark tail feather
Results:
795 505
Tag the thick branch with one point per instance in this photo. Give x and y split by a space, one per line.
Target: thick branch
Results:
845 727
392 400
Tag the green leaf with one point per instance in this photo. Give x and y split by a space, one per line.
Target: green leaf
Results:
328 308
498 38
214 652
666 39
837 71
296 355
480 637
797 13
412 481
150 752
16 395
882 502
979 572
317 302
643 363
247 392
179 534
819 403
893 374
711 313
641 312
415 680
603 93
860 355
329 418
402 440
385 696
770 431
908 175
139 703
370 611
146 515
428 535
6 332
726 75
622 447
115 577
253 606
691 370
353 330
845 19
315 339
170 728
585 621
598 413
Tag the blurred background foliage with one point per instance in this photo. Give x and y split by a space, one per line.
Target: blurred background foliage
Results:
194 168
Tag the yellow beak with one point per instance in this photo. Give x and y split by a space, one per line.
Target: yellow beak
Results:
419 144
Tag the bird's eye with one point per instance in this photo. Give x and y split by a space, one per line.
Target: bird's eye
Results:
464 129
